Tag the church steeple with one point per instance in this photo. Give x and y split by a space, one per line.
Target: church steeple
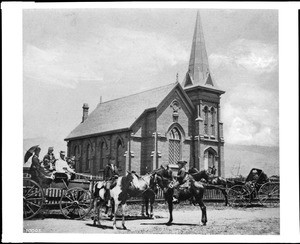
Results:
198 73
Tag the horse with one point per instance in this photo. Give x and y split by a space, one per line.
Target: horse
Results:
190 189
214 181
147 189
119 195
99 195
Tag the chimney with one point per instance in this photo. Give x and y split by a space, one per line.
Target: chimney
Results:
100 99
85 110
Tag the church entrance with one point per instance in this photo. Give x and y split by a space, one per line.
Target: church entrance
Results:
174 146
211 161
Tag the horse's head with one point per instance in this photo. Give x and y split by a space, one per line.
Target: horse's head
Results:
133 179
202 175
193 170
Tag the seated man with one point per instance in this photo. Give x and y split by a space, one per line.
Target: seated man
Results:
71 162
180 177
62 168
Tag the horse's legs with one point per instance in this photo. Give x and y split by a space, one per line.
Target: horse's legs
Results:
112 209
123 216
96 213
116 204
225 196
203 209
146 201
170 206
152 199
143 205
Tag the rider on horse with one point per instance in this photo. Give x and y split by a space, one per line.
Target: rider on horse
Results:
180 177
110 176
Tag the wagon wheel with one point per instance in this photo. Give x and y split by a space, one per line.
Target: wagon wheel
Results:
75 203
238 196
268 194
33 198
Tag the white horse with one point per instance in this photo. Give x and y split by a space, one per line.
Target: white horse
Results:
99 191
119 195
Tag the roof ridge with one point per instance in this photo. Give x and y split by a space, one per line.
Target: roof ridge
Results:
138 93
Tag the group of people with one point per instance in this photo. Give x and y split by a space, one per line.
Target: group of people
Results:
50 167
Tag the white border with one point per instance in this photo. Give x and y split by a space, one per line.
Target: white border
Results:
13 125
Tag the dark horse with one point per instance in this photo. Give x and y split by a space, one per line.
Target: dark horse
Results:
147 190
215 182
191 189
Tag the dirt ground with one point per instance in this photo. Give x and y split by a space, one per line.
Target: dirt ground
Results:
221 221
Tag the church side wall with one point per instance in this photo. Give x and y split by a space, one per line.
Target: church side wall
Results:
110 149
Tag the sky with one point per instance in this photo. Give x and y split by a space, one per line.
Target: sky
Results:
76 56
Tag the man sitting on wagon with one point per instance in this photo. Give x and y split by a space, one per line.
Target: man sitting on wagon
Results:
63 170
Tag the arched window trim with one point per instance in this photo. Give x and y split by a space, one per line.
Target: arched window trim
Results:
213 121
175 138
205 110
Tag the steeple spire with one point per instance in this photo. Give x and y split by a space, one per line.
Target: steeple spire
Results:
198 73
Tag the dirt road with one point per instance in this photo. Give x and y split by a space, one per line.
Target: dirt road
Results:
221 220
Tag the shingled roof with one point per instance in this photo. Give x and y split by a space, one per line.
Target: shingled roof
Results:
120 113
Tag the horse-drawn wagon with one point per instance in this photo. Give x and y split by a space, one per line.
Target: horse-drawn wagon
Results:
257 188
72 198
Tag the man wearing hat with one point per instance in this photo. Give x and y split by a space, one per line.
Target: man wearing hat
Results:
49 159
110 176
180 177
62 166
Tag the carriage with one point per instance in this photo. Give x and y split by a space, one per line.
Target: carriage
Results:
72 198
257 188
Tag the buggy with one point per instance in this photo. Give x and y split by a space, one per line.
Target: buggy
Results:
257 188
73 198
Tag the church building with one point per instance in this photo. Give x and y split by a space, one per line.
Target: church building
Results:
158 126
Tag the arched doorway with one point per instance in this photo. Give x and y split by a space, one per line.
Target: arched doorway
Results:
211 159
174 146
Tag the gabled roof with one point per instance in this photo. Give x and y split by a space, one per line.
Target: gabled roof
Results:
120 113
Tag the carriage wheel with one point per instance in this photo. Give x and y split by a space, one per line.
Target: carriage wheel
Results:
268 194
75 203
238 196
33 198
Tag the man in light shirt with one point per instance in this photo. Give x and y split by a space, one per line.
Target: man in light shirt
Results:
62 166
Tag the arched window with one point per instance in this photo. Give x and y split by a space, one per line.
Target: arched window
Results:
205 120
76 153
213 128
88 161
119 155
174 145
102 155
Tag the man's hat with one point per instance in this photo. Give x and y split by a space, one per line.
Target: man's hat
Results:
182 162
50 148
62 152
